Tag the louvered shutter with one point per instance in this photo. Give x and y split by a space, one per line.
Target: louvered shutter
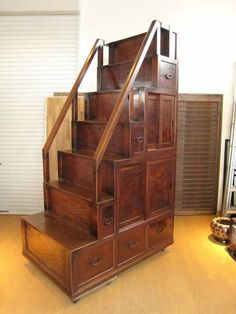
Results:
38 55
198 153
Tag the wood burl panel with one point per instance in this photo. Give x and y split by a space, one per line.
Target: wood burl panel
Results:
166 121
131 193
159 181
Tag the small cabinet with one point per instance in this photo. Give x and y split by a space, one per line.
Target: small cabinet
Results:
160 175
166 78
166 121
160 121
106 219
131 181
137 139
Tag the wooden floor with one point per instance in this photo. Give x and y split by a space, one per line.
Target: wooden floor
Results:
194 275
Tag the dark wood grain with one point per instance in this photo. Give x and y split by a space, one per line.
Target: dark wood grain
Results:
112 205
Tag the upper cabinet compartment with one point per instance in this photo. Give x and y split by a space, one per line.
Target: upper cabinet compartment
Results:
158 69
126 49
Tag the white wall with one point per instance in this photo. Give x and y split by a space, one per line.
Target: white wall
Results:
38 5
206 43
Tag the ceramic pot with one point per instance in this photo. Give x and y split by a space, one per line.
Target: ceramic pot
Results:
220 228
232 238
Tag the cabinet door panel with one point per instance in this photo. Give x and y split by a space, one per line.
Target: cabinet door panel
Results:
166 121
160 186
152 113
131 193
160 121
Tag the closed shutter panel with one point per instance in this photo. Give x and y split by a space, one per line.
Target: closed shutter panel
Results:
38 55
198 153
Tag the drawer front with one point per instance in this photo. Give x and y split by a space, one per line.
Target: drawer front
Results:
137 139
106 220
167 76
91 262
130 244
160 231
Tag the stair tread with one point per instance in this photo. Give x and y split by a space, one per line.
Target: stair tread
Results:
78 191
66 234
63 94
96 122
89 154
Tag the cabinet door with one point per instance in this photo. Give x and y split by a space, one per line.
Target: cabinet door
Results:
160 121
160 174
166 121
131 193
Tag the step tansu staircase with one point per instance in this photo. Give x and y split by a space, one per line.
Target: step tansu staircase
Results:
112 205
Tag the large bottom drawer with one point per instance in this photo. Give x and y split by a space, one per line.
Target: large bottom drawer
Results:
160 230
91 262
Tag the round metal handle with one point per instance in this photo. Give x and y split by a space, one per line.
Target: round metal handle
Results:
139 139
160 229
96 261
132 244
168 76
107 221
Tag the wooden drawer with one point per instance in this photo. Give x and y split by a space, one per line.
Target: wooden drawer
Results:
166 80
91 262
130 244
160 231
106 219
137 139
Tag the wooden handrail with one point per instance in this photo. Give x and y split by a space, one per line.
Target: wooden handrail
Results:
112 122
98 43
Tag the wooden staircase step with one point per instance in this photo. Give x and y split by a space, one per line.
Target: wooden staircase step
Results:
83 153
78 191
74 190
72 203
113 76
75 204
99 106
88 134
61 231
127 48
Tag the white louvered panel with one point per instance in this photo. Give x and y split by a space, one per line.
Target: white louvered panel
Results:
38 56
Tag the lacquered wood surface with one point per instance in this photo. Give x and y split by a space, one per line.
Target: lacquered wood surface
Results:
116 184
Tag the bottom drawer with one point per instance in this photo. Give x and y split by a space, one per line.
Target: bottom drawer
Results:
91 262
160 230
130 244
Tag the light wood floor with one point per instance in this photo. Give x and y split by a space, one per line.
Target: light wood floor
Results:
194 275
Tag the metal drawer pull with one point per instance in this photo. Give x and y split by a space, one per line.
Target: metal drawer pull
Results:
132 244
139 139
96 261
107 221
168 76
160 229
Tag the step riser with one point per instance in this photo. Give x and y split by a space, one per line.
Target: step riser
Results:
73 209
127 49
76 170
79 171
88 137
114 77
100 106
